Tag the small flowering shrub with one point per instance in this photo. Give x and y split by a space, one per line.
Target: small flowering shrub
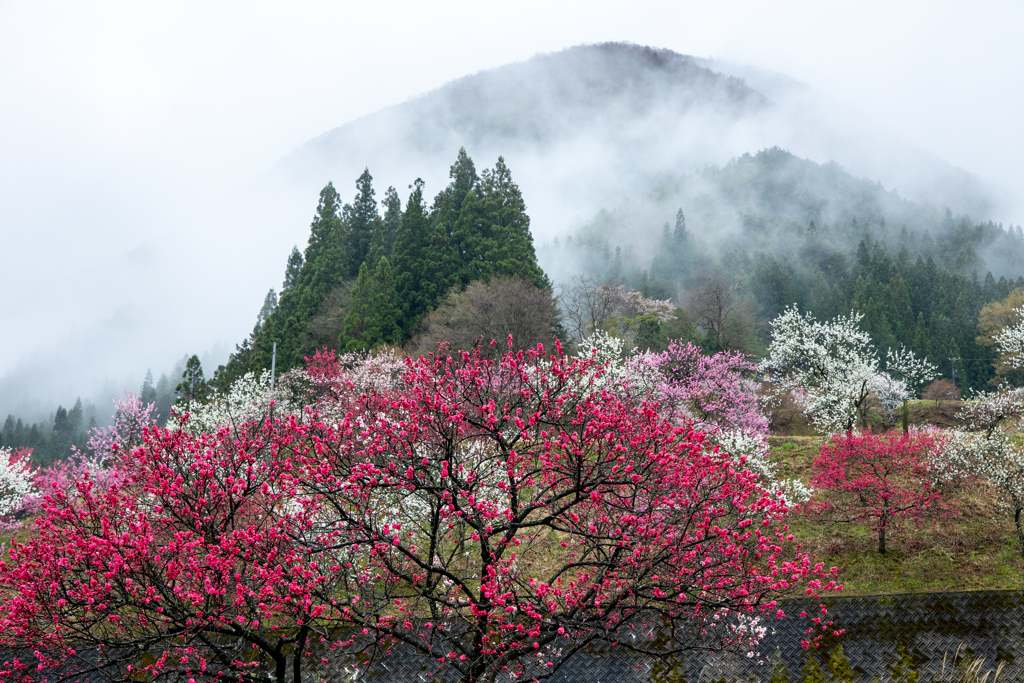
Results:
879 480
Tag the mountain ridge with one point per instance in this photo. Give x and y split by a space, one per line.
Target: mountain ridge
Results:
588 125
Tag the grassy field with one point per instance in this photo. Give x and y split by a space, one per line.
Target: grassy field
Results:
971 547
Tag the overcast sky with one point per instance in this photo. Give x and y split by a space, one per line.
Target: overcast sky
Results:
127 127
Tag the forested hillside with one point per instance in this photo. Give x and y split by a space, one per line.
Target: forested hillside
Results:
367 278
769 230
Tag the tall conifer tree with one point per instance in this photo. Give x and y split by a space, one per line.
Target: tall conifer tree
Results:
292 270
360 218
384 309
508 245
359 312
382 243
410 244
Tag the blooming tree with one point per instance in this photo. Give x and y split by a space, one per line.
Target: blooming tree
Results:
716 392
494 515
713 394
904 376
246 402
186 554
983 448
614 369
105 447
1010 341
836 365
328 380
877 480
16 482
501 515
131 418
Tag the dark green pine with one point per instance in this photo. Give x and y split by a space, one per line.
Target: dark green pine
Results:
292 270
448 202
410 244
385 311
359 312
508 245
468 237
382 243
360 219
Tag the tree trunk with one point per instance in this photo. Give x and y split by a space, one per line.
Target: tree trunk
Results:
280 666
300 647
906 417
1020 530
881 527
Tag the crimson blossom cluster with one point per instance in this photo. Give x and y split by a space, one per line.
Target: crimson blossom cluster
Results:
495 515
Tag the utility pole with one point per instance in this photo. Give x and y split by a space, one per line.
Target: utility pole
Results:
273 365
273 368
952 366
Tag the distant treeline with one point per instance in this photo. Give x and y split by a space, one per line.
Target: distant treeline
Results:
54 440
761 243
50 441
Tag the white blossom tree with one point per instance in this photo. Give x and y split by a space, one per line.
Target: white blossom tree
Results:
614 368
984 448
909 374
16 482
835 363
245 402
1010 341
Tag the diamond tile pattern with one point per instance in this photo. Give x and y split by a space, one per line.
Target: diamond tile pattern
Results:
879 631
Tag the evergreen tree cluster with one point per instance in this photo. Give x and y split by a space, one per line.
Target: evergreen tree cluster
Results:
367 277
781 230
915 303
50 442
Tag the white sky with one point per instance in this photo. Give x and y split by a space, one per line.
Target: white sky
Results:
123 123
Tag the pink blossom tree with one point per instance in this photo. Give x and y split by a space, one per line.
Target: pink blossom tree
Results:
716 392
105 447
719 395
492 515
877 480
500 515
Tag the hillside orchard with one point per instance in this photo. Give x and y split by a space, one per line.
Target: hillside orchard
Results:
491 513
494 510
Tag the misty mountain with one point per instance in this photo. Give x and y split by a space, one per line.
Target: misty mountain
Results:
593 125
766 203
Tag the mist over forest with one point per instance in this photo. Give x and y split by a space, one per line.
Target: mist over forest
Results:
625 165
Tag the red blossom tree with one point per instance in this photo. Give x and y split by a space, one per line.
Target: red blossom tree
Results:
524 516
494 516
879 480
183 557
